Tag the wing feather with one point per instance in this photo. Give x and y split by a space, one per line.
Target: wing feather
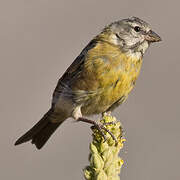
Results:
72 72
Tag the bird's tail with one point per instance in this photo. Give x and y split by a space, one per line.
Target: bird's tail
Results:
40 132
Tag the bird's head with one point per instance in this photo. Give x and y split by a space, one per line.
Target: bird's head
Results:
132 34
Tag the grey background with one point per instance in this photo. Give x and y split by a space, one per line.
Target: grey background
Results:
38 40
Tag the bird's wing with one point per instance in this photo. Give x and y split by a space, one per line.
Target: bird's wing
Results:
73 71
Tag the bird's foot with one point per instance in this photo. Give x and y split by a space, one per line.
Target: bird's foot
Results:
100 127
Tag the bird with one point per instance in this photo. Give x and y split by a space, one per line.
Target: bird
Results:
99 79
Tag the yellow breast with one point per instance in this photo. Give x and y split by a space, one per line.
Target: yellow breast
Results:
108 74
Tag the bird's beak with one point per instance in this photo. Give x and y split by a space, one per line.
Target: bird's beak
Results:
151 36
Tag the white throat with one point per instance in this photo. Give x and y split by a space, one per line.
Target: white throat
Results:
139 52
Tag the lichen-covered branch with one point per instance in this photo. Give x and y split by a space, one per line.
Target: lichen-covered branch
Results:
105 163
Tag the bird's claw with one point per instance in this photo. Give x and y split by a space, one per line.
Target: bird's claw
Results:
109 123
101 127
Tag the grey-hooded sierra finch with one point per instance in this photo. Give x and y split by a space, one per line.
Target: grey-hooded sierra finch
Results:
98 80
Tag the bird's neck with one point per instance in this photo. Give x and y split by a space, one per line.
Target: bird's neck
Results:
134 55
138 51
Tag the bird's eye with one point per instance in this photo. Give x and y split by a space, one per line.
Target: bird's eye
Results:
137 28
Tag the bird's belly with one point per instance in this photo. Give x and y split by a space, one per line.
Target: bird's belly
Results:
107 96
110 84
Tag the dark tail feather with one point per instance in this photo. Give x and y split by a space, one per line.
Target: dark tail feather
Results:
44 134
41 132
